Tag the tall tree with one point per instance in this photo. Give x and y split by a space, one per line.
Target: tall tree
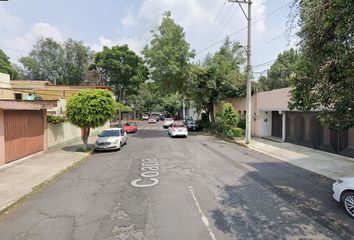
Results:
65 63
77 60
168 56
6 67
46 61
280 73
218 78
122 68
324 75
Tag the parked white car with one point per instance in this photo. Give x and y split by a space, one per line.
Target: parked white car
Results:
167 122
111 138
343 190
178 130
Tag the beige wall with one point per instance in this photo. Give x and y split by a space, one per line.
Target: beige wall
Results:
63 132
274 100
5 83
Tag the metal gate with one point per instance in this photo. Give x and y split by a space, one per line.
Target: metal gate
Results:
277 125
24 133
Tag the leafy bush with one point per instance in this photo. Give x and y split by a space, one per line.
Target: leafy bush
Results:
242 123
55 119
226 119
237 132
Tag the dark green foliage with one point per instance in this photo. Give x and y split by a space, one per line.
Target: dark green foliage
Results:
242 123
122 69
6 67
168 56
63 64
226 119
280 73
204 121
324 77
91 108
172 103
235 132
55 119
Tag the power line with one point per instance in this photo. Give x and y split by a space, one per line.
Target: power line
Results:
211 25
221 22
244 28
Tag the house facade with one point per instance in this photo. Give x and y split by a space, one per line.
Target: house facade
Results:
271 118
24 105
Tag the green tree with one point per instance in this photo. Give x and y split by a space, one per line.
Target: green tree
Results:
172 103
324 74
218 78
90 109
147 99
6 67
77 60
122 68
46 61
280 73
168 56
65 63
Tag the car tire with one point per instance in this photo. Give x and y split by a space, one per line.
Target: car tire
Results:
348 202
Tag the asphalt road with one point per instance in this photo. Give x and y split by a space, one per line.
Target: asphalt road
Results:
197 188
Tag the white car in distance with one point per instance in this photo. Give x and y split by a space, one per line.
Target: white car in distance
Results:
178 130
111 138
343 192
167 122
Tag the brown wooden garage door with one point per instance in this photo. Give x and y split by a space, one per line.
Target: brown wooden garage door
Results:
23 133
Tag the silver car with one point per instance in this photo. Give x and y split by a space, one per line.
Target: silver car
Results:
167 122
111 138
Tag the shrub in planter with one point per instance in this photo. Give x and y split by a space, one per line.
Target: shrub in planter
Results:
55 119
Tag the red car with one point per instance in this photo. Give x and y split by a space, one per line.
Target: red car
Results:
130 127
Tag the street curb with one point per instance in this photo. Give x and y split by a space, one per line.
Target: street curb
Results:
232 141
40 187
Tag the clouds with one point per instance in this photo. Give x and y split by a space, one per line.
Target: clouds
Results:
8 22
17 40
198 18
136 44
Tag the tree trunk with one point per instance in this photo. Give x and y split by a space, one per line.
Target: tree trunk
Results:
85 133
211 114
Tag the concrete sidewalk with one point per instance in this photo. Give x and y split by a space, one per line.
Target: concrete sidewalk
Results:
20 177
326 164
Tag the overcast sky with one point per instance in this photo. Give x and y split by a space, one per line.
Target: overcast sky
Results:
108 22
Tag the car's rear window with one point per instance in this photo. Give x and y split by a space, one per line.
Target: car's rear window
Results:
168 119
130 124
179 125
110 133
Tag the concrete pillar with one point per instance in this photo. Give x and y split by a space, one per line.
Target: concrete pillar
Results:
2 138
283 127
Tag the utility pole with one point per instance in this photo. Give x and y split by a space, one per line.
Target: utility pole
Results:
249 68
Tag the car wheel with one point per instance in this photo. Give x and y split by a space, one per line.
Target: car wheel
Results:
348 202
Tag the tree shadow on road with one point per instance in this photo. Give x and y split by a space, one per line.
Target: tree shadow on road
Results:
281 201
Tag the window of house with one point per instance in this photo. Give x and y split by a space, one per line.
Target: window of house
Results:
18 96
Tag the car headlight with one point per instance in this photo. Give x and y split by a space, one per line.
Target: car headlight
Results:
115 141
339 181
